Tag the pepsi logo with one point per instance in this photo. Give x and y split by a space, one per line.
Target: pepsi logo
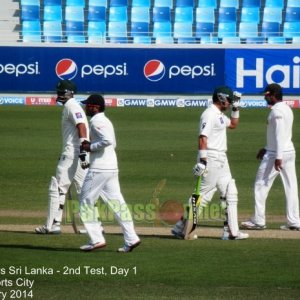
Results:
154 70
66 69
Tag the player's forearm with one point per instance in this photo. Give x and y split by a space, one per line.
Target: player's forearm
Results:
82 131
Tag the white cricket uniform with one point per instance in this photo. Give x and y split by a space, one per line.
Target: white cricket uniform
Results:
213 125
279 146
69 169
102 180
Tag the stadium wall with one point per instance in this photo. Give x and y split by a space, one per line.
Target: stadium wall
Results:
147 76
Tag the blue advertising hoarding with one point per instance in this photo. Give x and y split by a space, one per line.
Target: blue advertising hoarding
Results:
112 70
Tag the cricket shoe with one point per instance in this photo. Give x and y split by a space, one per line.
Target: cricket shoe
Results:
90 247
128 248
287 227
240 236
252 226
55 229
177 230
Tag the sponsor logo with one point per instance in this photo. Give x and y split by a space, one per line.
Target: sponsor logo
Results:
66 69
40 101
287 75
20 69
196 103
254 103
154 70
111 102
11 100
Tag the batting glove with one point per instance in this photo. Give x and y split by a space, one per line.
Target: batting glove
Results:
200 168
236 103
83 155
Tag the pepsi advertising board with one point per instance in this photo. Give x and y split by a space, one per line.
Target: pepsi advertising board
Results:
249 71
112 70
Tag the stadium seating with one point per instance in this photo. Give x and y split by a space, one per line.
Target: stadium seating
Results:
99 21
164 40
209 40
52 31
276 40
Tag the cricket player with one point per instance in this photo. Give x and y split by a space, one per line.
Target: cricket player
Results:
72 164
277 158
212 163
102 180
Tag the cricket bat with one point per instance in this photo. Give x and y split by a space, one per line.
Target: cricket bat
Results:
191 211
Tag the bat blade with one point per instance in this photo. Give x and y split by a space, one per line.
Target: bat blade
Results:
192 211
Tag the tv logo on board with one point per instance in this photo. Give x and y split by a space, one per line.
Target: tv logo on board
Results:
66 69
155 70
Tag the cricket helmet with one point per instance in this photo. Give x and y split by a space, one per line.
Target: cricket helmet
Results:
65 90
222 93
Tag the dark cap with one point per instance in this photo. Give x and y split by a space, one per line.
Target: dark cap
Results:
95 99
64 86
226 90
273 89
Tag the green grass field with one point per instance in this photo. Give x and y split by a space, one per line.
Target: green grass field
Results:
155 146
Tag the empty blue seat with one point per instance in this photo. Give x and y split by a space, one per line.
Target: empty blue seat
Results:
75 3
140 14
208 3
164 40
204 29
296 40
74 28
74 13
118 40
163 3
96 29
255 40
118 3
53 39
184 3
186 40
231 40
248 30
269 29
161 14
250 14
53 13
117 29
162 29
292 14
293 3
30 12
52 2
291 29
276 40
96 39
96 13
52 29
272 14
274 3
139 29
209 40
183 29
142 40
251 3
30 2
76 39
141 3
205 14
97 3
227 14
118 14
31 27
32 38
226 29
229 3
183 14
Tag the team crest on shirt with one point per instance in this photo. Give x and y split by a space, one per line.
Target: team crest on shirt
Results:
221 120
203 126
78 115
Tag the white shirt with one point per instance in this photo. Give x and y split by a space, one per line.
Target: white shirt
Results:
103 143
279 130
213 124
72 115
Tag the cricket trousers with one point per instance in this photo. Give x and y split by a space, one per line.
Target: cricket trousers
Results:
105 185
265 177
